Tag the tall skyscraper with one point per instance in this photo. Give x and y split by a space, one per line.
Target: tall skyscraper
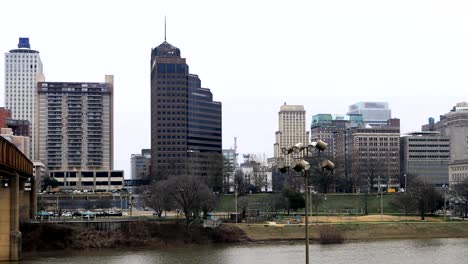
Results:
292 130
23 67
186 123
373 113
75 125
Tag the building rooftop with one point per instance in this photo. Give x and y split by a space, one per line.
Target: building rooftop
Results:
285 108
165 49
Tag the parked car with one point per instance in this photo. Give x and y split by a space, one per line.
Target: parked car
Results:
67 214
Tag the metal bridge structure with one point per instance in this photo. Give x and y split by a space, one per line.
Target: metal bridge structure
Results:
16 203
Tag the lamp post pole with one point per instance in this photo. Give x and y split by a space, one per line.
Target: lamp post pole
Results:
235 195
303 166
306 218
445 202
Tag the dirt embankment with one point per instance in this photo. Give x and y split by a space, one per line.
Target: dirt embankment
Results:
38 237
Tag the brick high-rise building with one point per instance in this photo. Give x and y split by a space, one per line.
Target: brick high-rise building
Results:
186 124
23 68
4 115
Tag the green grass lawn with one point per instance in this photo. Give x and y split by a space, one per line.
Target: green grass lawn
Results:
337 203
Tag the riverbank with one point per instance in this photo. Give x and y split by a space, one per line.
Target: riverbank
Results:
359 230
144 234
135 234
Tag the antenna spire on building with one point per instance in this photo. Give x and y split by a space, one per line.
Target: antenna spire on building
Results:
164 28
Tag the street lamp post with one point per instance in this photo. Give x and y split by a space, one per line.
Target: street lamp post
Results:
300 165
444 187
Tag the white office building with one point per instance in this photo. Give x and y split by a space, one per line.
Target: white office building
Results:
292 130
23 68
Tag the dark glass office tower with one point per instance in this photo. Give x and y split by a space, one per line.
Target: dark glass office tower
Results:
185 122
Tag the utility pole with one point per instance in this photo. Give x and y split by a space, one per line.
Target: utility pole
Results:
381 200
235 196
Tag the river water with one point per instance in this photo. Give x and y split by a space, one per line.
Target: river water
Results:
440 251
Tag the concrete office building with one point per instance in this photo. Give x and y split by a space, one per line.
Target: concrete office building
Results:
458 172
23 68
426 155
454 125
291 130
186 126
21 142
75 131
139 163
40 171
368 152
373 113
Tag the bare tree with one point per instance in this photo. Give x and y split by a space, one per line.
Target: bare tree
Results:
240 183
372 168
243 205
191 195
460 194
425 197
355 174
404 201
157 198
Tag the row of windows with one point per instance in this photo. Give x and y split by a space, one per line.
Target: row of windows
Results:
205 104
171 125
192 108
171 149
171 106
171 137
204 139
171 119
429 139
459 168
173 83
204 122
171 68
429 156
204 145
375 144
172 101
459 177
429 145
192 126
171 131
174 155
428 150
378 138
170 142
203 115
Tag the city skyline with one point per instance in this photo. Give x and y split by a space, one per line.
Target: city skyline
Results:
412 56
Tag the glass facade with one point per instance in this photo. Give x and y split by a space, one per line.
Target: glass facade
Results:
185 121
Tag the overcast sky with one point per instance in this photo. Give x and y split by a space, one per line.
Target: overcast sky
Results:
254 56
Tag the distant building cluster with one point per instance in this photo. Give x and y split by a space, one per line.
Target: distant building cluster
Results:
370 153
